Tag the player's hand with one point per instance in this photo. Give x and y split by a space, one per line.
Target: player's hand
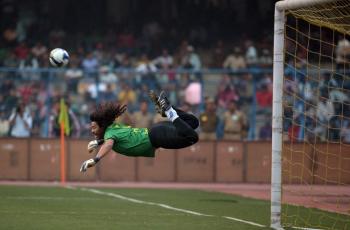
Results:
87 164
92 146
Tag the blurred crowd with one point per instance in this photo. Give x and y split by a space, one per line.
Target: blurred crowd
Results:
120 59
228 85
317 97
104 74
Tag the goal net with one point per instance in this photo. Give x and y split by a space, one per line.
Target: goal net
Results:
310 185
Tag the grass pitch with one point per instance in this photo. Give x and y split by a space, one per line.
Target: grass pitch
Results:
57 208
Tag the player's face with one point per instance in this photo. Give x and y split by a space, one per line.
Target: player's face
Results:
95 129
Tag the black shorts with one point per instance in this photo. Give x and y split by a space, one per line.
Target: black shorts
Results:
175 135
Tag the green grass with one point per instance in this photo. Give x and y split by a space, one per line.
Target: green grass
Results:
314 218
61 208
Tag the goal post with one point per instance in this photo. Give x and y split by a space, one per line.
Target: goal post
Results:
317 16
277 119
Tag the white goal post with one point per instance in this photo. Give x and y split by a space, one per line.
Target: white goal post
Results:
277 116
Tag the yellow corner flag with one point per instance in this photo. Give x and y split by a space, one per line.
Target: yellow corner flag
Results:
63 117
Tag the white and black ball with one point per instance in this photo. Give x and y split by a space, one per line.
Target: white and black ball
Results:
59 57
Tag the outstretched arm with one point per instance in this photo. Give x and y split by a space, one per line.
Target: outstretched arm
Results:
104 150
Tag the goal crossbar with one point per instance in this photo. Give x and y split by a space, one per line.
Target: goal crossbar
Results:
295 4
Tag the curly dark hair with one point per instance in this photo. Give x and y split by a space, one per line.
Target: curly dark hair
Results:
105 113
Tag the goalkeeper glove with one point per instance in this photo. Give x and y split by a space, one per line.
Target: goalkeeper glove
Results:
94 144
88 163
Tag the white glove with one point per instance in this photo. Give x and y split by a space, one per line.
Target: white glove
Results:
92 146
87 164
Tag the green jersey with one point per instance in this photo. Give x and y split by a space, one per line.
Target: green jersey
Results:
130 141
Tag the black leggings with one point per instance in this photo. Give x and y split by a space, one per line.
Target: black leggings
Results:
177 134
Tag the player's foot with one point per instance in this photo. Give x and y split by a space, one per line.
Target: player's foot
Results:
154 98
163 102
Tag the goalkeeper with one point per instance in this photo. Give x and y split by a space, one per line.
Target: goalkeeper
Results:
178 132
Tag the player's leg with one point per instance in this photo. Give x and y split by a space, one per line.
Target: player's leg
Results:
177 134
190 119
172 135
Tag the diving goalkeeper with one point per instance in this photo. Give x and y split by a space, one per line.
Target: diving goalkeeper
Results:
178 132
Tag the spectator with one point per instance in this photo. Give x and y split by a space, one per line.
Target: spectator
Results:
293 131
94 89
127 96
90 63
84 118
191 60
226 93
265 132
39 50
146 70
26 91
324 113
22 51
324 110
264 97
99 53
235 60
72 77
21 121
345 132
27 65
244 88
209 121
165 61
107 76
251 54
109 94
11 100
11 61
125 61
343 54
181 51
143 94
193 94
142 118
235 123
266 59
218 55
4 124
7 85
310 120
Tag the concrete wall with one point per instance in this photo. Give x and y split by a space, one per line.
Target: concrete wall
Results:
223 162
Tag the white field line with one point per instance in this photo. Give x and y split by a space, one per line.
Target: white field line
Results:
143 202
46 198
77 213
244 221
166 206
308 228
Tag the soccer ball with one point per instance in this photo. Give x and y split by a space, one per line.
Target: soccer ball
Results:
59 57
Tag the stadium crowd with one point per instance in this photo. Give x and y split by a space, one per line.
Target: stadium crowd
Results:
30 99
228 85
107 74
